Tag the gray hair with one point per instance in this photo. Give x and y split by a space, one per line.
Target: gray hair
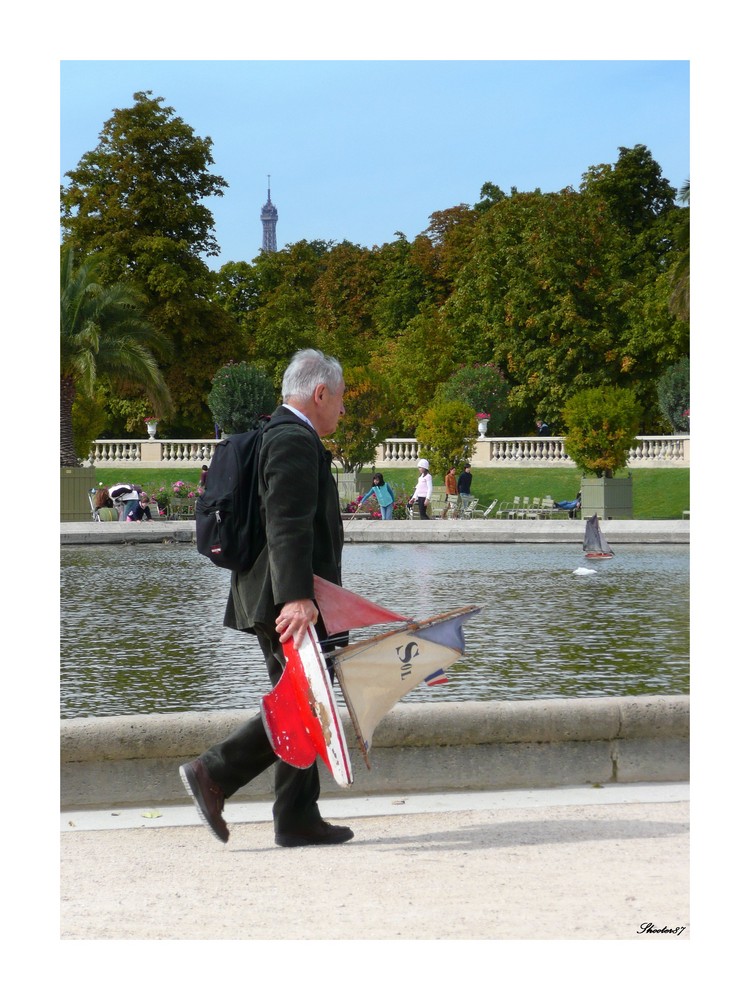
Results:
307 369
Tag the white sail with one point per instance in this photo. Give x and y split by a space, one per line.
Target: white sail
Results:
376 673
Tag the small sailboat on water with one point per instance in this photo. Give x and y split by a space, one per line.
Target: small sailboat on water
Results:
595 545
300 715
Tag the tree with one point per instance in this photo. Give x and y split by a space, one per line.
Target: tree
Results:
541 296
446 434
633 188
136 198
602 426
136 201
284 320
679 301
413 364
451 232
344 295
237 291
407 285
102 332
365 423
489 195
239 396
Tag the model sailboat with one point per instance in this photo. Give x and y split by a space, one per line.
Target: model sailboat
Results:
595 545
300 714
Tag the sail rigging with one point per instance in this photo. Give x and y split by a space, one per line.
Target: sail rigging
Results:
300 714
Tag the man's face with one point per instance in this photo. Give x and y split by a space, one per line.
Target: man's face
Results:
330 408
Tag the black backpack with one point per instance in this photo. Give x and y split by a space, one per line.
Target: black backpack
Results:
228 527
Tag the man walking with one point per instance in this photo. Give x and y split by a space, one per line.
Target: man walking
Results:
275 598
464 488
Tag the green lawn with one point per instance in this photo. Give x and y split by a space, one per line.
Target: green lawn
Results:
657 493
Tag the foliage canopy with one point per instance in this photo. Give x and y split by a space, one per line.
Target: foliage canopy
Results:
559 292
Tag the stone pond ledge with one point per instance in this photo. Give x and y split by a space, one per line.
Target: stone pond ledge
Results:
568 532
445 747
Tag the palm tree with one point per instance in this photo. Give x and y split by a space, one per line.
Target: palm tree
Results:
102 332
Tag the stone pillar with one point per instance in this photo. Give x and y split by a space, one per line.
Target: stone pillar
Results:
151 451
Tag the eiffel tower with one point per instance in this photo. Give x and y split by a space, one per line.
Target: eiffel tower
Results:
269 217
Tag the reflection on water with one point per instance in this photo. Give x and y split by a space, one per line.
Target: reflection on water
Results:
142 625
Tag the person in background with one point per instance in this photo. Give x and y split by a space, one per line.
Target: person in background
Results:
104 506
542 429
464 487
142 511
572 506
451 490
125 496
423 489
383 493
204 477
102 499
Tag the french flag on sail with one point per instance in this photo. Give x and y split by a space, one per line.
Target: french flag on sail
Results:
439 677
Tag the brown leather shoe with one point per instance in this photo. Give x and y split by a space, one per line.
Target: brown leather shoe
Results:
208 797
320 833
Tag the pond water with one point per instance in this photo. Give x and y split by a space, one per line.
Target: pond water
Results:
142 625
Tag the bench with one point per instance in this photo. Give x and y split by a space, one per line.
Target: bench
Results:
181 510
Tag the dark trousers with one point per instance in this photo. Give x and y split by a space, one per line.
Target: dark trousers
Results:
422 507
247 752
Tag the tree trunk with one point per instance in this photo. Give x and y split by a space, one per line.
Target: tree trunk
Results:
68 455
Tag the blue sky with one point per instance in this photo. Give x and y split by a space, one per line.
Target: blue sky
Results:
361 149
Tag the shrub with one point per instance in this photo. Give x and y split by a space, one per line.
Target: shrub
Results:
673 393
483 387
602 426
239 395
178 490
446 435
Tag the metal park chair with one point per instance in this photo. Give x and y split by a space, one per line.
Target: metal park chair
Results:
479 511
467 509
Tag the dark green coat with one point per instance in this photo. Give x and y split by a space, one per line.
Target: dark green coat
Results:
302 515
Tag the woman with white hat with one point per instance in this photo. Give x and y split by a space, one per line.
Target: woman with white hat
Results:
423 489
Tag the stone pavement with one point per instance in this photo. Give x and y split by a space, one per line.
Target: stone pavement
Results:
586 863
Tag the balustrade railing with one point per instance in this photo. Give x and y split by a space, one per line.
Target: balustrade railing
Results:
651 451
153 453
528 451
398 451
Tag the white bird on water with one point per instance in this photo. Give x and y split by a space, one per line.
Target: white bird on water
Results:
583 571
